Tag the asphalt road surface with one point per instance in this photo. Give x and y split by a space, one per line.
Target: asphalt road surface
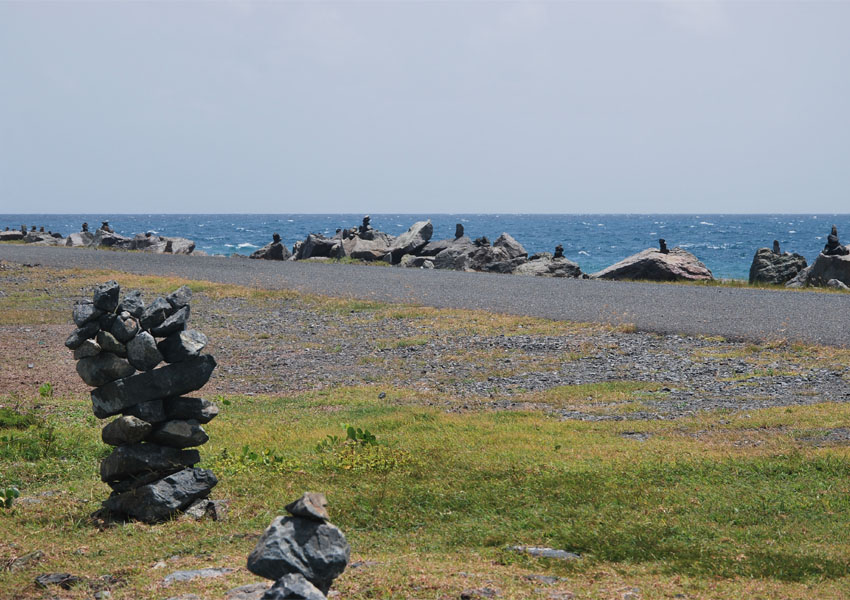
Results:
734 313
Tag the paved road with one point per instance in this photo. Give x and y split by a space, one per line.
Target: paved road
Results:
735 313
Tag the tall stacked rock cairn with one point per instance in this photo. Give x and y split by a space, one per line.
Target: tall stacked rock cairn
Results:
302 553
141 361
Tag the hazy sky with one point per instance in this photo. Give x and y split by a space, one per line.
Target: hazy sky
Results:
425 107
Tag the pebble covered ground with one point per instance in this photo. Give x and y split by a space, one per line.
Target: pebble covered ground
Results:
282 345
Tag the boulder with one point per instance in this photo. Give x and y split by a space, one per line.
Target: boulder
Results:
125 430
293 586
366 250
456 256
506 246
133 459
546 265
178 245
837 285
110 239
275 250
102 368
653 265
106 296
197 409
142 352
182 345
82 239
87 331
148 242
316 550
11 236
179 434
158 501
170 380
777 269
417 262
173 324
435 247
411 241
825 267
318 246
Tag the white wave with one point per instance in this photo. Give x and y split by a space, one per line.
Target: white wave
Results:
247 245
230 245
290 220
705 223
791 231
653 233
583 253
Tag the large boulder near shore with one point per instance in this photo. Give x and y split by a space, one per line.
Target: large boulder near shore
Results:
274 250
411 241
13 235
545 265
654 265
317 246
110 239
363 249
82 239
456 254
825 268
770 267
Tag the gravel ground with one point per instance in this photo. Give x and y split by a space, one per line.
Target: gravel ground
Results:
272 346
735 313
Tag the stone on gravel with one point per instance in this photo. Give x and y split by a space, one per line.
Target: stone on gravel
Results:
64 580
179 434
124 327
316 550
132 303
180 297
128 461
293 586
106 296
411 241
312 505
125 430
170 380
86 349
157 312
180 576
87 331
198 409
85 312
108 343
158 501
318 246
142 352
173 324
777 269
182 345
103 368
653 265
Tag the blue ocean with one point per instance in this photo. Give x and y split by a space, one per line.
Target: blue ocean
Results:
725 243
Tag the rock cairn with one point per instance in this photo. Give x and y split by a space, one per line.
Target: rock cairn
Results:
120 346
302 553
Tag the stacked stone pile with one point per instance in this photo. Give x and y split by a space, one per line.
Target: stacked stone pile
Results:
142 360
302 553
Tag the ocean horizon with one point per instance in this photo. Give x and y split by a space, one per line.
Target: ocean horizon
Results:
726 243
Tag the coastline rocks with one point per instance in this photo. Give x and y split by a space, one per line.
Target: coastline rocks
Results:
304 544
653 265
82 239
11 236
149 470
411 241
547 265
770 267
368 250
275 250
317 246
820 272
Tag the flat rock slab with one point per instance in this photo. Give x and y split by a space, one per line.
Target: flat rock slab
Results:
541 552
160 500
202 411
179 576
171 380
179 434
127 461
63 580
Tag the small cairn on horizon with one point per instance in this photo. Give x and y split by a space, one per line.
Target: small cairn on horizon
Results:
119 345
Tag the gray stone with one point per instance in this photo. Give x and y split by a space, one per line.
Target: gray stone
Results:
318 551
178 245
11 236
87 331
366 250
544 265
293 586
110 239
181 576
133 459
416 262
86 349
81 239
84 312
25 562
837 285
508 247
179 434
125 430
312 505
198 409
159 501
108 343
252 591
173 324
171 380
318 246
142 352
152 411
106 296
215 510
102 368
132 303
180 297
158 311
64 580
654 265
106 321
411 241
541 552
124 327
825 267
777 269
456 256
182 345
274 250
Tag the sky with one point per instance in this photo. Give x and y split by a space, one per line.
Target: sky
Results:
425 107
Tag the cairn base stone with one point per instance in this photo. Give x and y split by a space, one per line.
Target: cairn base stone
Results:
133 459
160 500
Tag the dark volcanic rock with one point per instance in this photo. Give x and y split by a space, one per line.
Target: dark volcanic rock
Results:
182 345
171 380
86 349
85 312
103 368
293 586
132 303
87 331
106 296
179 434
769 267
275 250
124 327
133 459
833 247
825 267
152 411
173 324
159 310
412 240
316 550
158 501
142 352
180 297
198 409
654 265
108 343
125 430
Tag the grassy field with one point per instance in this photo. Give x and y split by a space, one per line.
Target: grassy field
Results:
737 505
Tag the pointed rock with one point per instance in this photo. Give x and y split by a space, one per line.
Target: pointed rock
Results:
293 586
180 297
106 296
174 323
132 303
312 505
155 314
